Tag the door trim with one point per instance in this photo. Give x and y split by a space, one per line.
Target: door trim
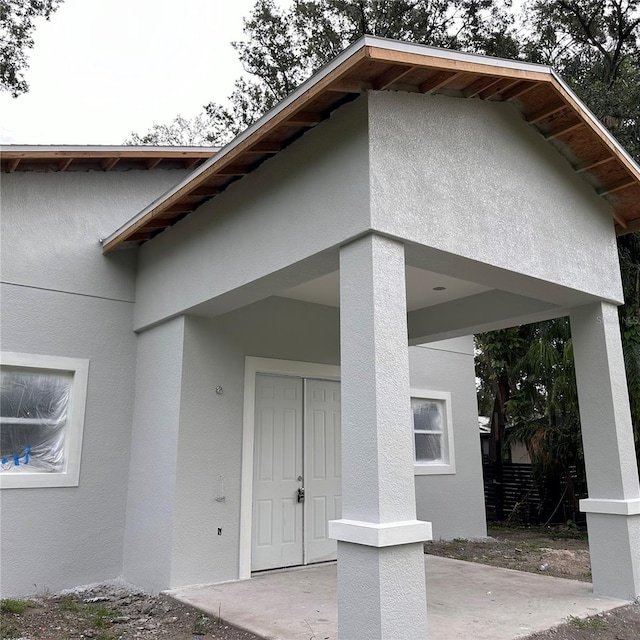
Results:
253 366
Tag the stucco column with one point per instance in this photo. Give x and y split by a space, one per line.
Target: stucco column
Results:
381 578
613 506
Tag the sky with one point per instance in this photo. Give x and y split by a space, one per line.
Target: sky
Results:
101 69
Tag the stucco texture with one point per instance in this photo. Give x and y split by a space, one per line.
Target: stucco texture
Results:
470 178
62 297
208 429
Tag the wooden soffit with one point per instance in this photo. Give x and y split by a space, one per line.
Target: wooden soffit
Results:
100 158
378 64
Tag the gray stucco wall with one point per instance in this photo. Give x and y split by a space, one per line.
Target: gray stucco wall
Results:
309 197
52 224
470 178
151 498
61 296
210 435
453 503
472 189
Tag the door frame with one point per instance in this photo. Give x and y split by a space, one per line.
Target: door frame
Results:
252 366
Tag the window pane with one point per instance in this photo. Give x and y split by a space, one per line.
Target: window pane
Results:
427 415
33 415
428 447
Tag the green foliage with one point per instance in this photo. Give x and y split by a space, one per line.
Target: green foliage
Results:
595 45
283 48
592 624
9 633
198 131
11 605
17 24
99 617
70 603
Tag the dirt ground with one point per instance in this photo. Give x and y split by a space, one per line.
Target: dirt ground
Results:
110 612
116 612
555 552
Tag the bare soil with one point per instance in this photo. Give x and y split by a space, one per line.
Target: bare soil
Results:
555 552
111 612
117 612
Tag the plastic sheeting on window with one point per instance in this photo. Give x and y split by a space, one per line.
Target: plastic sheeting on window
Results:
428 421
33 416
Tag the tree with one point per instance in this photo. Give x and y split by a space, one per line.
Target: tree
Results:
180 131
284 47
595 45
17 24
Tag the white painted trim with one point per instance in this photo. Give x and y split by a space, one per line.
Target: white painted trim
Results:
70 477
253 366
385 534
437 468
611 507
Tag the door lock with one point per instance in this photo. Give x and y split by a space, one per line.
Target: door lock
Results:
301 494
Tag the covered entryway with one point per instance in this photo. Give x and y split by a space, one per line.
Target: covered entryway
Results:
297 471
465 600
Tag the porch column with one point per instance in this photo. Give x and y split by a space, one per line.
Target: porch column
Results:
381 575
613 506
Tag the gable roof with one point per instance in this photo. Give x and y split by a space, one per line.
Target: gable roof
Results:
100 158
545 101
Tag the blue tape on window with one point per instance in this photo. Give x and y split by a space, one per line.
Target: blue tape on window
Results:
26 455
16 460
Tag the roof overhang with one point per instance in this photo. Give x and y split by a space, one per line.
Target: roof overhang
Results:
545 101
101 158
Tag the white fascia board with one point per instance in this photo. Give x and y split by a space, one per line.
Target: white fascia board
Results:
449 54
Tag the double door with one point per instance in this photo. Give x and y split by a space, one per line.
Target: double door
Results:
297 471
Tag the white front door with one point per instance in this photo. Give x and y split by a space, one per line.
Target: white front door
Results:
297 471
322 467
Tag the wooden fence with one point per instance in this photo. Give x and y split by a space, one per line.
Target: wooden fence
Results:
514 493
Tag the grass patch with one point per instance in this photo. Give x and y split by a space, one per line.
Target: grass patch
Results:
8 633
11 605
70 603
589 624
99 617
200 625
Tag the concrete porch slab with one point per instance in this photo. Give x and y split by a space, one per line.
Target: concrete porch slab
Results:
465 600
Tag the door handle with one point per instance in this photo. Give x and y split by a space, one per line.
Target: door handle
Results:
301 494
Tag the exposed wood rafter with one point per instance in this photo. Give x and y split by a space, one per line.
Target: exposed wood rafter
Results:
109 163
391 76
625 184
435 84
545 112
564 130
593 164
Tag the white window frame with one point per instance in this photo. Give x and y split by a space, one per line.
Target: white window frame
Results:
436 468
79 369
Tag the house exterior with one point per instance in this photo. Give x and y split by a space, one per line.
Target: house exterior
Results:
403 196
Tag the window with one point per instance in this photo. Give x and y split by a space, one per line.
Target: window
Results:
432 432
42 401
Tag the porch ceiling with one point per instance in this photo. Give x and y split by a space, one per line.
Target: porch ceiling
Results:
379 64
424 289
